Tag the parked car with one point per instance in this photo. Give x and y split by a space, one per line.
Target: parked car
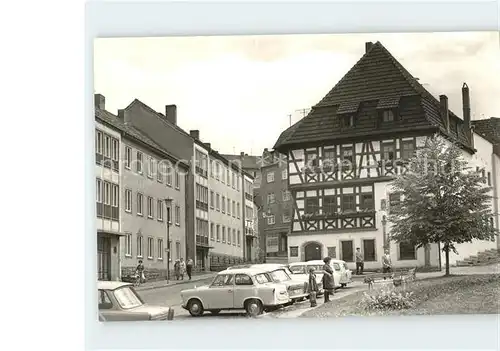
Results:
279 273
341 274
118 301
250 289
300 271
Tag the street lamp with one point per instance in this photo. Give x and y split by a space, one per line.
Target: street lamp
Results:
168 204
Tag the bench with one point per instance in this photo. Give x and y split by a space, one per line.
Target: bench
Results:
396 278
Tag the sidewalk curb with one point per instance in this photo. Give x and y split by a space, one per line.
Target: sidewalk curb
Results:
145 288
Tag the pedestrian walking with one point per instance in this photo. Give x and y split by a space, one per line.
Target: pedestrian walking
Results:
177 269
189 267
360 262
313 287
139 271
328 281
182 268
386 263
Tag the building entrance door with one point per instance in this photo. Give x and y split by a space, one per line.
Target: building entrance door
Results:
200 259
103 258
312 251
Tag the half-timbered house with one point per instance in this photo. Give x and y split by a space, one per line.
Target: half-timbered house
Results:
344 153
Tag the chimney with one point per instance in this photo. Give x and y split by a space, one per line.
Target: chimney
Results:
171 113
445 114
99 102
208 145
368 46
195 134
466 109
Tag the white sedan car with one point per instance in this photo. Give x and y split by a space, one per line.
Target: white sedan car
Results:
246 289
341 274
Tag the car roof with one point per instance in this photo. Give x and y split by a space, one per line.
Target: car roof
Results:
111 285
307 263
250 271
268 265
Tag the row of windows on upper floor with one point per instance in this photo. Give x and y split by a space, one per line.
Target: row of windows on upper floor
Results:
214 232
218 171
150 207
270 175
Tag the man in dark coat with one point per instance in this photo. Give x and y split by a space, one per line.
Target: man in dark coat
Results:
328 282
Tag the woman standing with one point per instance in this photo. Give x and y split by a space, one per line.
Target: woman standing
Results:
328 282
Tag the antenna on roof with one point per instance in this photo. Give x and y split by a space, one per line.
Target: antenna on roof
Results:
304 111
290 119
234 150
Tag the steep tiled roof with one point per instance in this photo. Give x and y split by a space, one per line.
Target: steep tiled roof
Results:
488 129
131 132
376 76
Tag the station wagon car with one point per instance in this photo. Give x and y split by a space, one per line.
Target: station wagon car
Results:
118 301
236 289
341 274
300 271
279 273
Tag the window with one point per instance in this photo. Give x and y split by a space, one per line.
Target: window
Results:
262 278
139 246
285 194
223 234
233 180
169 174
107 146
229 236
159 210
104 303
160 249
115 199
160 171
271 199
284 174
223 175
151 167
329 160
311 206
212 200
116 150
99 190
140 203
98 142
394 201
178 250
234 237
242 279
107 200
138 164
369 250
270 219
223 204
347 121
407 150
128 200
239 238
367 201
218 233
177 180
150 247
128 245
388 152
228 177
489 178
270 177
294 251
238 183
286 216
238 209
212 231
228 207
347 158
311 159
407 252
128 157
150 207
217 170
177 215
233 212
223 279
348 203
387 116
329 205
217 202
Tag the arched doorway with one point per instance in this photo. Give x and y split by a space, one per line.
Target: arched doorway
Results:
312 251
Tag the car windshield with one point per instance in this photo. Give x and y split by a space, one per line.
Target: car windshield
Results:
262 278
297 269
280 275
317 268
127 297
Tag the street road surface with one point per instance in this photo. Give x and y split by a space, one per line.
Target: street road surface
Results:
171 296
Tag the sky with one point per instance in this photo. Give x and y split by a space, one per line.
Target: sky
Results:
239 91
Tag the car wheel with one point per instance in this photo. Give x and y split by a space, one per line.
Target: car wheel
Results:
195 308
343 285
253 308
215 312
